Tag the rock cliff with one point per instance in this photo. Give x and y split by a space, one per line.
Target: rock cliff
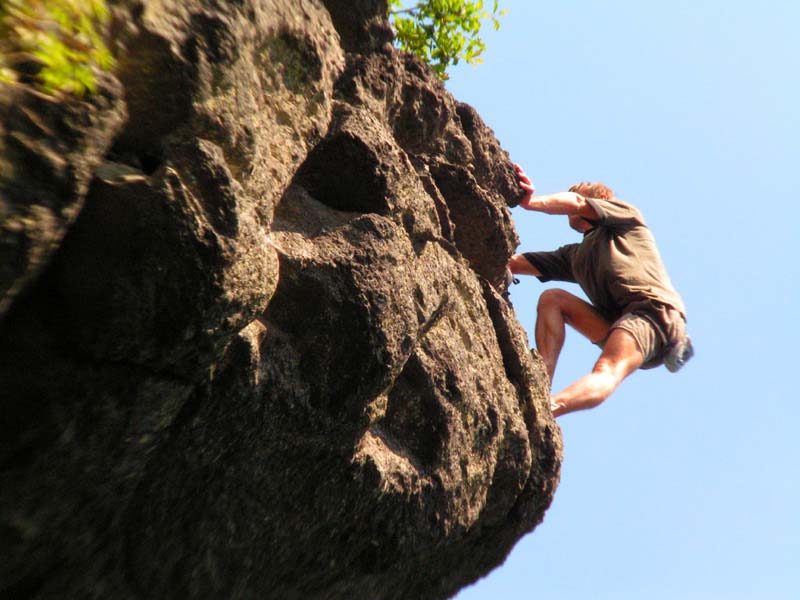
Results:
252 342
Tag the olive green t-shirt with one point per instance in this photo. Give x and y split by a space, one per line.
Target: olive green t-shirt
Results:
617 264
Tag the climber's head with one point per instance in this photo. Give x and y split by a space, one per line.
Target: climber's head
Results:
592 190
588 190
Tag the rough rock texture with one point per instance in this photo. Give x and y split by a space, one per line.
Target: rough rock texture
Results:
251 337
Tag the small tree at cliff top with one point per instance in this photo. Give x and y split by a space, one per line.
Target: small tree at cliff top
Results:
442 32
56 42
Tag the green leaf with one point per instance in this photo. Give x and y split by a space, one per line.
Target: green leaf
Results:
442 32
66 36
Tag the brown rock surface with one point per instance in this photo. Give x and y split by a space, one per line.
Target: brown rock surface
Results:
261 350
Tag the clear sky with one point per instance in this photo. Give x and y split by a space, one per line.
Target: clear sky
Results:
681 486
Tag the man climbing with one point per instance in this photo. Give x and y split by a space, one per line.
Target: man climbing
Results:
635 315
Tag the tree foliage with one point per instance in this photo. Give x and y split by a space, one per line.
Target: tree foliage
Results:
443 32
61 39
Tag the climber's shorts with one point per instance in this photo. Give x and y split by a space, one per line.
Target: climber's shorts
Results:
653 327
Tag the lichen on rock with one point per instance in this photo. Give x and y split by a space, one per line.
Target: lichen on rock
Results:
262 351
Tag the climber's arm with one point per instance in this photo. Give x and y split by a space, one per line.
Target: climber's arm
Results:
520 265
562 203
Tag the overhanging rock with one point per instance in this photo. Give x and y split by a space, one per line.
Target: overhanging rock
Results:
266 356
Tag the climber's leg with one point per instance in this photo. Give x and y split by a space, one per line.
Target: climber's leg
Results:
621 357
556 309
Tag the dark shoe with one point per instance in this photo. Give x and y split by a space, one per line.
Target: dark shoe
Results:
678 354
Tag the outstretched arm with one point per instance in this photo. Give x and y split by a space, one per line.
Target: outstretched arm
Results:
562 203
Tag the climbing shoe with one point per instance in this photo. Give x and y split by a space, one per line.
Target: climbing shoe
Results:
678 354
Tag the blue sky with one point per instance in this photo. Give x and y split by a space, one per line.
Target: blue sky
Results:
680 486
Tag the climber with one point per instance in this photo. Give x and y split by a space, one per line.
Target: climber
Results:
635 315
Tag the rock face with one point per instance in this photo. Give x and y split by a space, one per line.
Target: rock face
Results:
252 342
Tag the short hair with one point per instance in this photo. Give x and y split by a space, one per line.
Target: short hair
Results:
592 190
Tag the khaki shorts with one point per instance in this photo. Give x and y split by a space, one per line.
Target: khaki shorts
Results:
653 326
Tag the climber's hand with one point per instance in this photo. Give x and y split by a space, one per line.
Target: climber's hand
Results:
557 408
526 185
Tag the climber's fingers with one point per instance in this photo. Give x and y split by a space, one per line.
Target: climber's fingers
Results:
524 180
525 183
527 187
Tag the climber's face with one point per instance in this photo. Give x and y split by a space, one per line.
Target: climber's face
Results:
579 224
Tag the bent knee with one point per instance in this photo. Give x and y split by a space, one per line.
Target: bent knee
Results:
613 371
554 299
621 355
606 367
